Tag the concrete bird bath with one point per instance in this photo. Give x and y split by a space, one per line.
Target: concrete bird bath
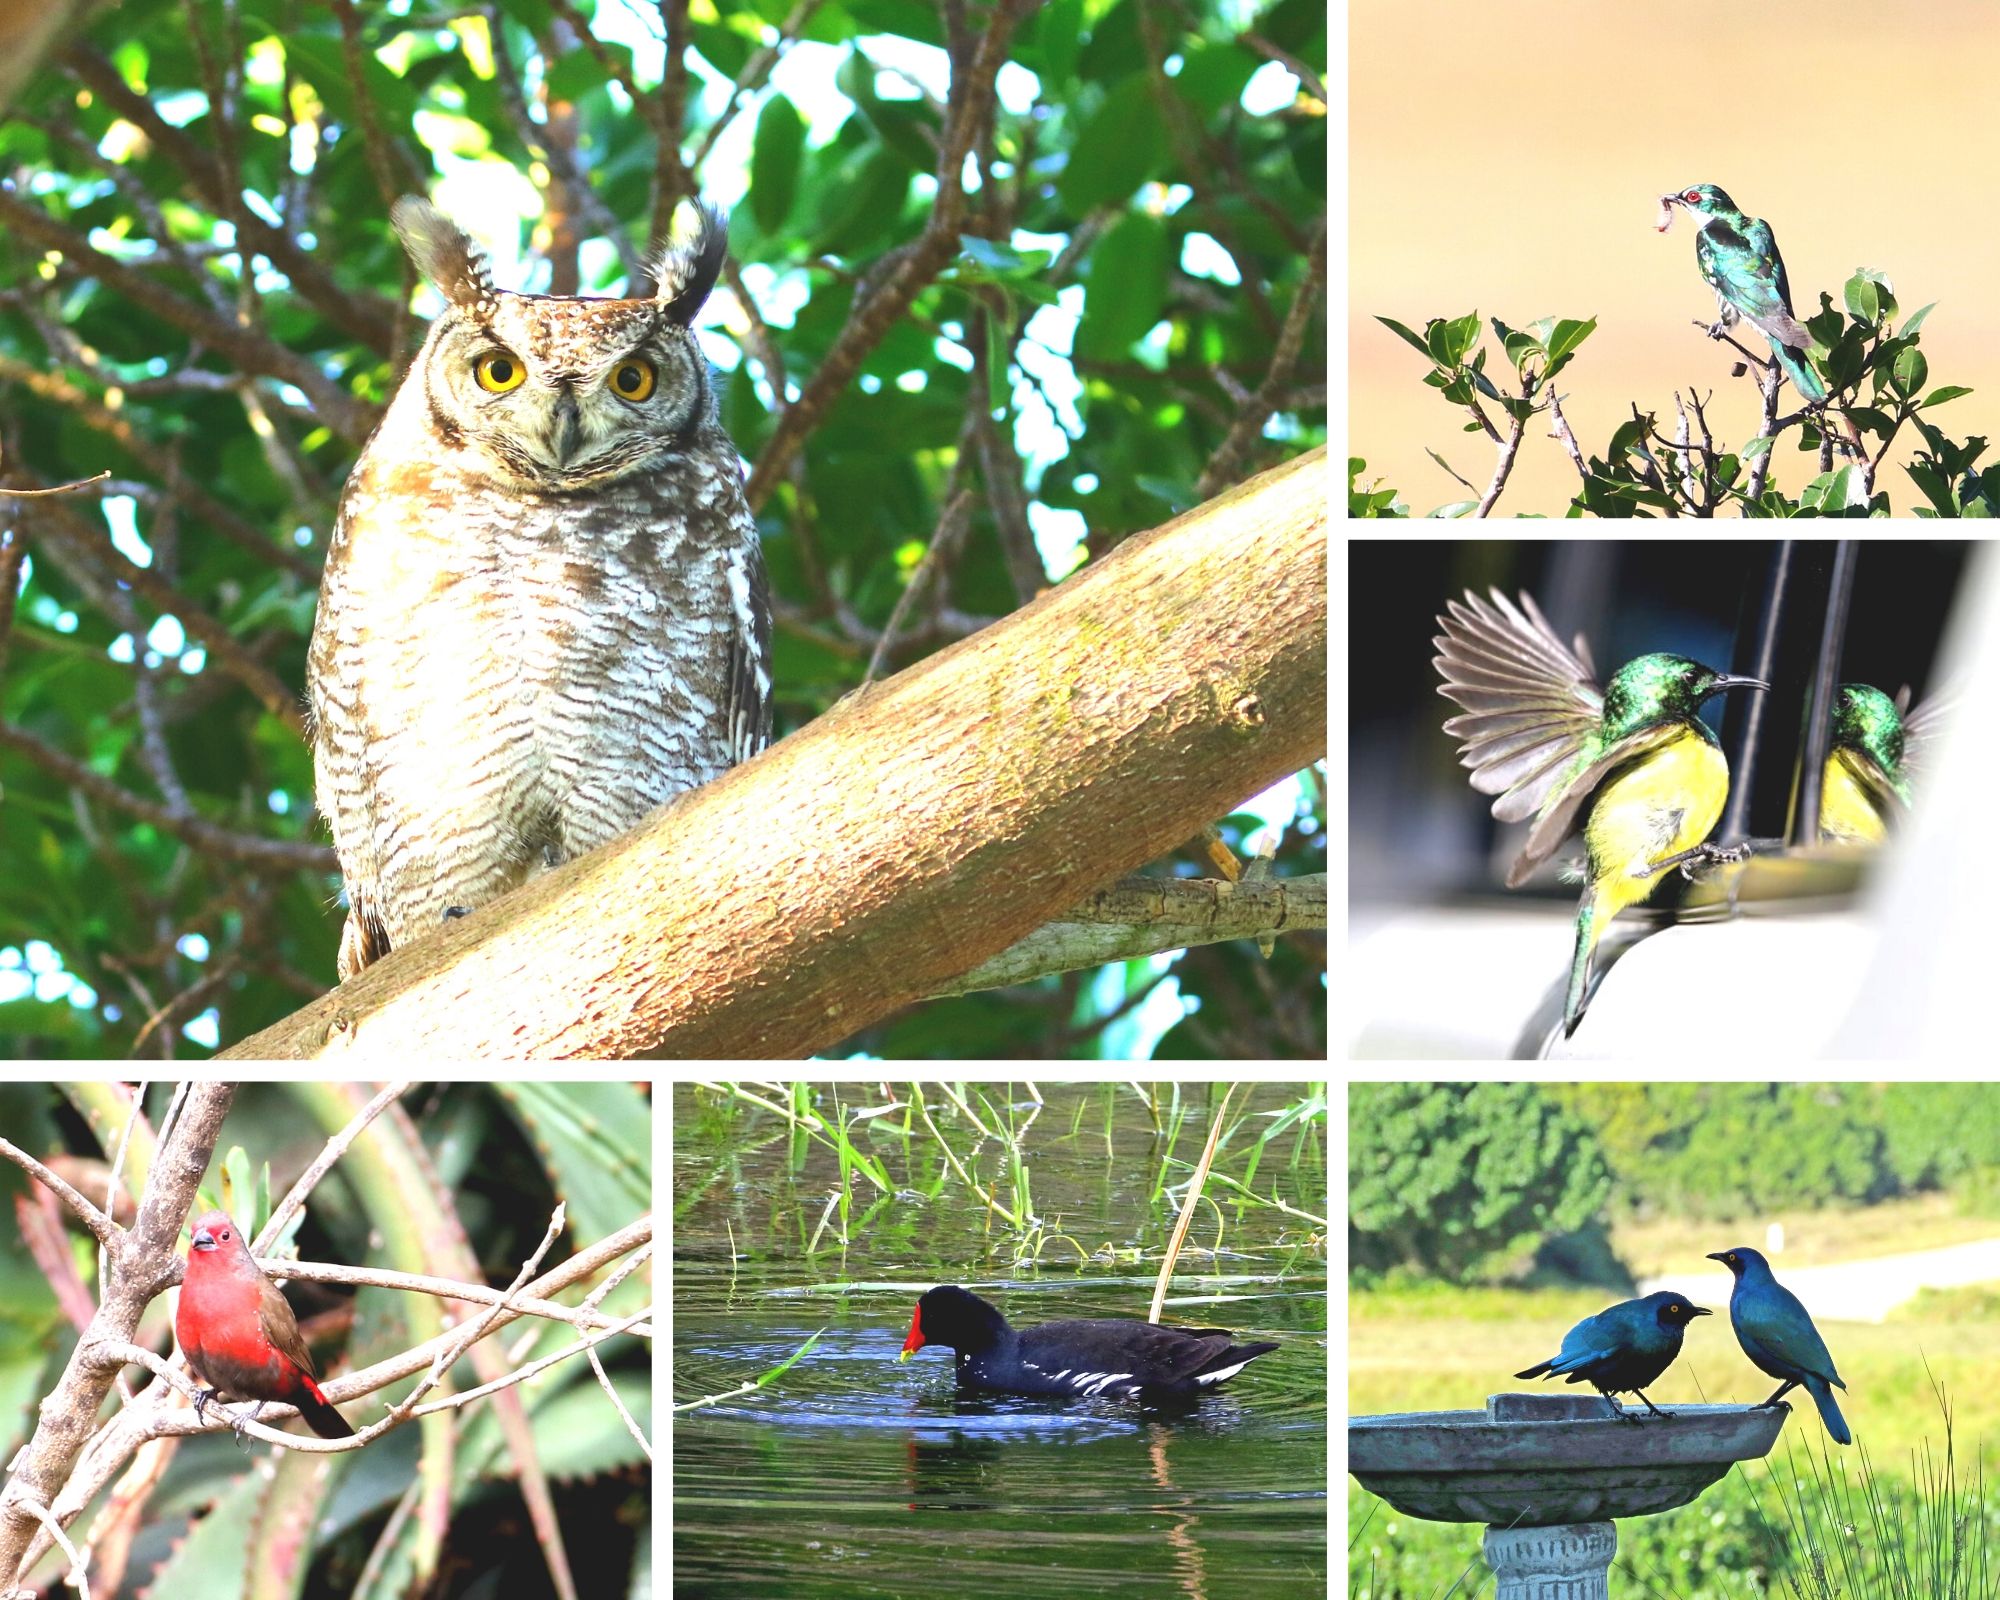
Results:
1548 1472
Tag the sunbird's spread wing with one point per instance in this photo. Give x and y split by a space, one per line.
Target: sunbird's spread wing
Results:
1532 701
1534 708
1923 731
1744 267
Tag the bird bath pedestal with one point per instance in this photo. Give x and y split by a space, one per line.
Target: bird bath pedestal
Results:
1548 1472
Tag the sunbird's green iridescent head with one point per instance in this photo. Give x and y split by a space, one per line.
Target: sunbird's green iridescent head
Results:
1704 198
1662 688
1868 720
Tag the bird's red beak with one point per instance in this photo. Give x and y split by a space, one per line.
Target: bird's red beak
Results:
915 1342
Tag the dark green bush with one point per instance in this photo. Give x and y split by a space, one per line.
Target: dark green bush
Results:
1735 1149
1937 1134
1461 1181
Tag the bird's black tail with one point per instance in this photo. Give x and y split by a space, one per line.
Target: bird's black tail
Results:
1829 1413
1537 1370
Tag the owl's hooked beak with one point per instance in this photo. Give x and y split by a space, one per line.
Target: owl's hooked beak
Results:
568 432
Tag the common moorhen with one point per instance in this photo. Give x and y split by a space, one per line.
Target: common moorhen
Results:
1082 1357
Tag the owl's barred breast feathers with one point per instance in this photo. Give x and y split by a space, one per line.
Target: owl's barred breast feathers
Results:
544 611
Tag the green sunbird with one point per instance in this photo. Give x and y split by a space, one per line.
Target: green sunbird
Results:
1739 260
1878 744
1631 764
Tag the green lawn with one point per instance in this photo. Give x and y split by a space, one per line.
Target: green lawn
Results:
1662 1245
1438 1351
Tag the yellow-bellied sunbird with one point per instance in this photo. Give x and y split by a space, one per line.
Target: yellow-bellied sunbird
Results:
1879 746
1631 763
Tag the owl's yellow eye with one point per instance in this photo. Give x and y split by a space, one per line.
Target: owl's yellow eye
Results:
498 372
633 379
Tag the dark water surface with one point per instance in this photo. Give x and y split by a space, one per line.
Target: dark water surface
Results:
853 1476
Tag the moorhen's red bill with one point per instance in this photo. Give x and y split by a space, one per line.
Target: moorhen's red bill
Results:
1083 1357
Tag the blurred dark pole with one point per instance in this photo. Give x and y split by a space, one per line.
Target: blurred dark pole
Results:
1794 629
1821 687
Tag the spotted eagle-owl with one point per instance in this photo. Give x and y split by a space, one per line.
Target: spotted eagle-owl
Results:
544 611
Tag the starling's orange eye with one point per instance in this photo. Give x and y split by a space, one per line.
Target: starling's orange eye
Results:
497 372
633 379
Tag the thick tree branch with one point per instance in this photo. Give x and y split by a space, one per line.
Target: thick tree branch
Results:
917 829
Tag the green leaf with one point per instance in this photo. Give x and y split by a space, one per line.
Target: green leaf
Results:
1759 446
1127 289
1568 335
1939 396
1057 32
1457 508
1864 300
997 260
999 387
1628 436
865 208
572 76
1212 76
595 1143
774 163
1521 348
1405 334
1910 370
1461 336
1440 460
1915 320
1116 150
1829 491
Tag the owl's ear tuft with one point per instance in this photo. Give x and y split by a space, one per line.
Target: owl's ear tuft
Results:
444 254
688 268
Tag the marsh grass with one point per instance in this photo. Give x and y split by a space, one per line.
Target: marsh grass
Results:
984 1137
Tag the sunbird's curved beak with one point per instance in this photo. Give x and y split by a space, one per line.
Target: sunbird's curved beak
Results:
1728 680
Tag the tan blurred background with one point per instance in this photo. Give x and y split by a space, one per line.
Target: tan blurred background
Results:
1507 158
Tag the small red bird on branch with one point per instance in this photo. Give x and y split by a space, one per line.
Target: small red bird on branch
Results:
238 1331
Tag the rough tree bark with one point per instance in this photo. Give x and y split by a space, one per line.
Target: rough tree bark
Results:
916 829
